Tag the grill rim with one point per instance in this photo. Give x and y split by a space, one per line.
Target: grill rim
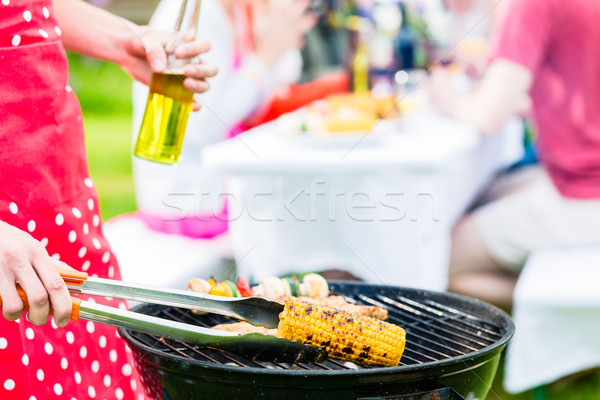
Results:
487 352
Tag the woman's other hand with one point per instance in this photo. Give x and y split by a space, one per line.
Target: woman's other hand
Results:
24 261
280 25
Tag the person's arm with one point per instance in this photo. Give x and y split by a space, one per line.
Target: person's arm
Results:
139 50
518 49
501 94
280 26
236 93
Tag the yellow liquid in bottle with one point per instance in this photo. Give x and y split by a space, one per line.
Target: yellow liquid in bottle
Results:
360 66
165 119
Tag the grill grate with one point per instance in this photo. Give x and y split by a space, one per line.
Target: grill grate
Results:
435 332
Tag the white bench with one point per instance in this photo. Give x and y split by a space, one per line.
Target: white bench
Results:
161 259
557 316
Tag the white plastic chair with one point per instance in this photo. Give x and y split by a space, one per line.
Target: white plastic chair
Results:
557 316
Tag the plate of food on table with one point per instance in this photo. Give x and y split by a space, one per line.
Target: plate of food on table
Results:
342 118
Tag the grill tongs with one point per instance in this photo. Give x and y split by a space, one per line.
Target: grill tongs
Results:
255 310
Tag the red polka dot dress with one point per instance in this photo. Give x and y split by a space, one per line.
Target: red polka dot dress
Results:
45 190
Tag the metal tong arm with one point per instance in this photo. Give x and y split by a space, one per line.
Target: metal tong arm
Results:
254 346
255 310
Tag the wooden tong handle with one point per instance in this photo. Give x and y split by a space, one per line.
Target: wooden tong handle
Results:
74 300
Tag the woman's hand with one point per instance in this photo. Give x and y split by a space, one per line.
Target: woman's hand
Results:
147 51
280 25
24 261
139 50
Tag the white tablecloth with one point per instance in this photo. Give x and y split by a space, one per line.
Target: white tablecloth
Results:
381 207
557 316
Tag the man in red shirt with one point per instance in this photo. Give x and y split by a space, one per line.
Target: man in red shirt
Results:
544 56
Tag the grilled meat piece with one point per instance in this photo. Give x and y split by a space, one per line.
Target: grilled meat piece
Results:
243 327
340 303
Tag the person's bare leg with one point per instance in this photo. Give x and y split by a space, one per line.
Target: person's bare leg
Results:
474 272
494 288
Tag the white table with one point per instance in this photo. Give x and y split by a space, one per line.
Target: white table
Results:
381 208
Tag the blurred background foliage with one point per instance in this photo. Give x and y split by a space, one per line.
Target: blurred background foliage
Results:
104 92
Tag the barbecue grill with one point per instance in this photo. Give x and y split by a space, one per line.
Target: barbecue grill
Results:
453 346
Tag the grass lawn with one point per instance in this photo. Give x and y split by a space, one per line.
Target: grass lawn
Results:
105 95
104 92
585 386
108 142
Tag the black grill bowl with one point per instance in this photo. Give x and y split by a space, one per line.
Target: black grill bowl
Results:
452 342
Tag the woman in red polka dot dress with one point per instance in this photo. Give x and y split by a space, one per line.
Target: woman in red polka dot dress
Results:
48 204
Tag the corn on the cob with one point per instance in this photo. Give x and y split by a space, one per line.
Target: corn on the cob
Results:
346 336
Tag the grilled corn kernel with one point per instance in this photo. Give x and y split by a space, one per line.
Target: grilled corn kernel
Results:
346 336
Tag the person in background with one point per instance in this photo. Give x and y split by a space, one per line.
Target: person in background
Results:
49 214
544 57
